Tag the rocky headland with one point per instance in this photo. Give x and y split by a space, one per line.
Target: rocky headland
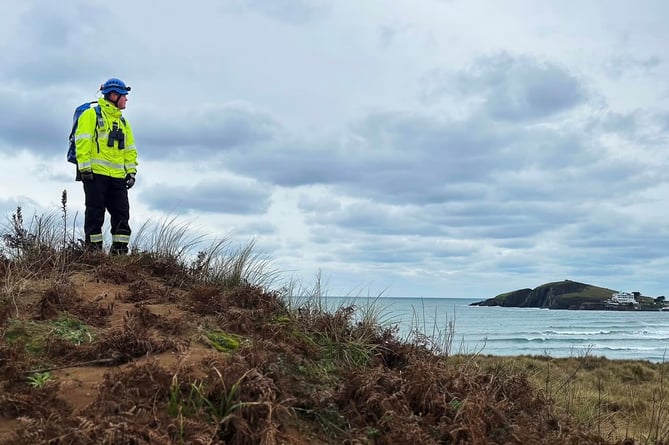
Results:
568 294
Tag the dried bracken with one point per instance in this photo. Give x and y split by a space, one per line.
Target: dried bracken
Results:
140 373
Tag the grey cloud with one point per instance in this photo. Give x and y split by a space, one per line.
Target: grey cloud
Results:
258 228
643 129
524 89
521 228
48 56
585 179
516 265
295 163
397 250
318 204
612 178
512 88
664 122
630 244
599 245
389 35
377 253
52 44
410 158
373 218
207 130
500 219
516 243
44 171
398 157
464 179
288 11
621 65
31 123
386 35
491 220
616 122
222 196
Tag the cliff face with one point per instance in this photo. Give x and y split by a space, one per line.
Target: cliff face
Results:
559 295
516 298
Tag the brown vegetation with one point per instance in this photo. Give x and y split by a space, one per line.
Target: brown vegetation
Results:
145 349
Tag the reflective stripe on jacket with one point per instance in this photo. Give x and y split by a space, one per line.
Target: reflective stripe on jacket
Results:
97 157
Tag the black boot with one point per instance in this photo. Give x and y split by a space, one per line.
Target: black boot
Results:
119 249
93 247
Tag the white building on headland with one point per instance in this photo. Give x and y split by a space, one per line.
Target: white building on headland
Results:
622 299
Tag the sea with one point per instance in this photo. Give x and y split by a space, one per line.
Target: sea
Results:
618 335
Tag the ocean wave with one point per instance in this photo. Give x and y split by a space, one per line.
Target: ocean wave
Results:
562 342
609 335
630 348
520 340
594 348
600 332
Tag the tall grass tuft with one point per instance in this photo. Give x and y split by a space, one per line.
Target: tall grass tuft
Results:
436 337
30 243
349 331
166 238
658 428
42 246
224 265
14 281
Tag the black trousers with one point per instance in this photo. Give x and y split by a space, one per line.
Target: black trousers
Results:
105 193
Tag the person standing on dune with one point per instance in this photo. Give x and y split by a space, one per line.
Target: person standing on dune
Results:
106 160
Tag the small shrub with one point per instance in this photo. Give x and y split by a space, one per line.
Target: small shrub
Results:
39 379
72 330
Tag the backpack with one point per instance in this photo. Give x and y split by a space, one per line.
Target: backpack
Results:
72 150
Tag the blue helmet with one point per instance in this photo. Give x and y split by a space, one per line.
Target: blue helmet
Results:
115 85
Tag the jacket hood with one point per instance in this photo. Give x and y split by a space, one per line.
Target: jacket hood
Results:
109 108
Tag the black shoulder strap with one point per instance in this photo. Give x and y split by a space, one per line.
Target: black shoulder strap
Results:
100 123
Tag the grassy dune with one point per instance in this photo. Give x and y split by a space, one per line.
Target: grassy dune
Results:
617 399
163 347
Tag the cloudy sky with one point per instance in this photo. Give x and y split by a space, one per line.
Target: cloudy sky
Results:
406 147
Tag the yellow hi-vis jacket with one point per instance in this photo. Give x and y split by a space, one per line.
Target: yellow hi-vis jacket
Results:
91 143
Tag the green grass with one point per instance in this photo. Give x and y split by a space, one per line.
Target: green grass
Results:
39 379
34 335
223 342
29 333
73 330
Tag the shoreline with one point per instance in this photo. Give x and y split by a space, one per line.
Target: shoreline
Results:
604 307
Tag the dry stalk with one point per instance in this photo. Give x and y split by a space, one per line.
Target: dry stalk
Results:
14 283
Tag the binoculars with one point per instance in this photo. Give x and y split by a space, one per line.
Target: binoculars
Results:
116 134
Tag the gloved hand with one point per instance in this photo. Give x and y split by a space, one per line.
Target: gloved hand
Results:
129 180
87 176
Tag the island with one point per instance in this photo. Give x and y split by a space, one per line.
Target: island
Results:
570 294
